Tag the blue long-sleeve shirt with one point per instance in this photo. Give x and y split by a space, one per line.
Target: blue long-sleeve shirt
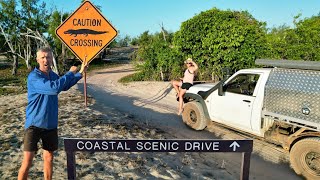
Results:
43 90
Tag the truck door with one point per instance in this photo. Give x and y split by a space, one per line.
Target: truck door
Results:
235 106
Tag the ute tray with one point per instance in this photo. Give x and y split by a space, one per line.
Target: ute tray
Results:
293 95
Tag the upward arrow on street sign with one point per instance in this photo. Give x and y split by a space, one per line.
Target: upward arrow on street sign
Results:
86 32
234 145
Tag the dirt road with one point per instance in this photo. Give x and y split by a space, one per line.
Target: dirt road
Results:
153 103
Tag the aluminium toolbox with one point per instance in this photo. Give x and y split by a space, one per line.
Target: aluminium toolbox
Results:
293 95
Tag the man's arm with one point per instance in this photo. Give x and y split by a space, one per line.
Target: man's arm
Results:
77 75
74 81
42 85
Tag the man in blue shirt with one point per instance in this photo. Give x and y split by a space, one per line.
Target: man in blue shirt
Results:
42 110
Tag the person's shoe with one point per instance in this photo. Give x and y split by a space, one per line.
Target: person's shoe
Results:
180 112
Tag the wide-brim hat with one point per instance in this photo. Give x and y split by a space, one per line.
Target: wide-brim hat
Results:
189 60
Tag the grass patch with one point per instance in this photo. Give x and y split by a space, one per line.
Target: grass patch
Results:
132 77
99 64
95 64
13 84
8 91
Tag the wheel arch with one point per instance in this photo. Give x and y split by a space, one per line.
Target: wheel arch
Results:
301 137
198 98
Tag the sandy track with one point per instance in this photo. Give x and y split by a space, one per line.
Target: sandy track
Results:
155 94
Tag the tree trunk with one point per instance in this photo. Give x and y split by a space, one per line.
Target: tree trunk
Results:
163 32
55 65
63 57
28 54
29 66
14 65
161 74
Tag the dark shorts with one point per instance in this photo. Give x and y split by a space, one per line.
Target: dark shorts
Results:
33 134
186 86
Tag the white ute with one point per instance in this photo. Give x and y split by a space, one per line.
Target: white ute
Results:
280 104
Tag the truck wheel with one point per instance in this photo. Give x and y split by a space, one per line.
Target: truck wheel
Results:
193 116
305 158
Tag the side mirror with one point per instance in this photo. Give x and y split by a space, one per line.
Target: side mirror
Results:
220 89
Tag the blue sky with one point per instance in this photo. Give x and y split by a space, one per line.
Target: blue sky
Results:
133 17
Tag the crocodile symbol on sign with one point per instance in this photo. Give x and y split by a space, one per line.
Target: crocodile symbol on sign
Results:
85 32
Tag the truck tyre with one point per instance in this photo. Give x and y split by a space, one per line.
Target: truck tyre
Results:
193 115
305 158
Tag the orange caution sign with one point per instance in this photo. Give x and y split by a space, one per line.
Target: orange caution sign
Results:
86 32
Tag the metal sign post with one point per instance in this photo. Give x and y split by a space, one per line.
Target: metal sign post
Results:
85 86
99 145
85 89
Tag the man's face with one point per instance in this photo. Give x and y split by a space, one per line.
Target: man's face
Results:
44 60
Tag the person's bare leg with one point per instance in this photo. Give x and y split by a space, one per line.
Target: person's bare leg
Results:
26 164
181 94
47 164
176 85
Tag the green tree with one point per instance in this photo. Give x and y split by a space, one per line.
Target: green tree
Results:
124 42
53 22
33 17
10 21
3 47
276 43
22 28
145 38
304 40
216 39
134 41
157 59
60 50
301 42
